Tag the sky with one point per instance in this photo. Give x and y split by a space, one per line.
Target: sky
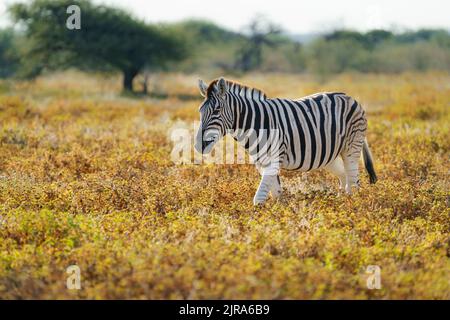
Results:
294 16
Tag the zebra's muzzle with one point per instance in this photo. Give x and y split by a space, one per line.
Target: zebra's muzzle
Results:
208 141
206 144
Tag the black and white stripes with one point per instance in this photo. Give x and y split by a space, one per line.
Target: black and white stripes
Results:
324 130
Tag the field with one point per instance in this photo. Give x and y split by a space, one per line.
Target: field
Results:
86 179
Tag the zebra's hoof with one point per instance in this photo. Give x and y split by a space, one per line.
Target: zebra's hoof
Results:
258 202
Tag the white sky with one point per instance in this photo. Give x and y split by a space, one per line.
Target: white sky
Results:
296 16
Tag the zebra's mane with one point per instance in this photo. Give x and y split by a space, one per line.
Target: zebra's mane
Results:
240 89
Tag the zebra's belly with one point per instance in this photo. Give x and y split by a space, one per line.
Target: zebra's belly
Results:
297 167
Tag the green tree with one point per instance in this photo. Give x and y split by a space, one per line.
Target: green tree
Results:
9 59
211 48
109 38
376 37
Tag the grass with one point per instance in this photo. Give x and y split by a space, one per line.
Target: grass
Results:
86 178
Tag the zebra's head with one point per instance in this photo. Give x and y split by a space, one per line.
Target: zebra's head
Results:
215 115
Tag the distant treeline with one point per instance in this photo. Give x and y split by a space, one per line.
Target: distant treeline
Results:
113 40
334 52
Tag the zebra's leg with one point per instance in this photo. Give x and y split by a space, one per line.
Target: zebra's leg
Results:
276 189
351 165
337 168
352 150
351 158
270 182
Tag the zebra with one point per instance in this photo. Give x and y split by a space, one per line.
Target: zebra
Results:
324 130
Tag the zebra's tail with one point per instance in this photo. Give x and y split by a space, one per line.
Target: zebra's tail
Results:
368 162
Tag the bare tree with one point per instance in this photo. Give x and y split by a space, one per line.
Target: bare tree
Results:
259 33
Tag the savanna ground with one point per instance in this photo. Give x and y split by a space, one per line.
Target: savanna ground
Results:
86 178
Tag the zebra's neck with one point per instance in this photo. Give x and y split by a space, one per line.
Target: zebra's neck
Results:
242 103
242 100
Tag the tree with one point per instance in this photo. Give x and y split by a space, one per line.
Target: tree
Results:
260 32
211 47
345 35
109 39
375 37
9 60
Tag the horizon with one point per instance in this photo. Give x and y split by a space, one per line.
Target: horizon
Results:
369 16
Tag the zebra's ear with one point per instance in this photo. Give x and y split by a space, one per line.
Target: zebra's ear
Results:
203 87
221 87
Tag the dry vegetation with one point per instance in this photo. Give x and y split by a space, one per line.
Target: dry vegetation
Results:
86 178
